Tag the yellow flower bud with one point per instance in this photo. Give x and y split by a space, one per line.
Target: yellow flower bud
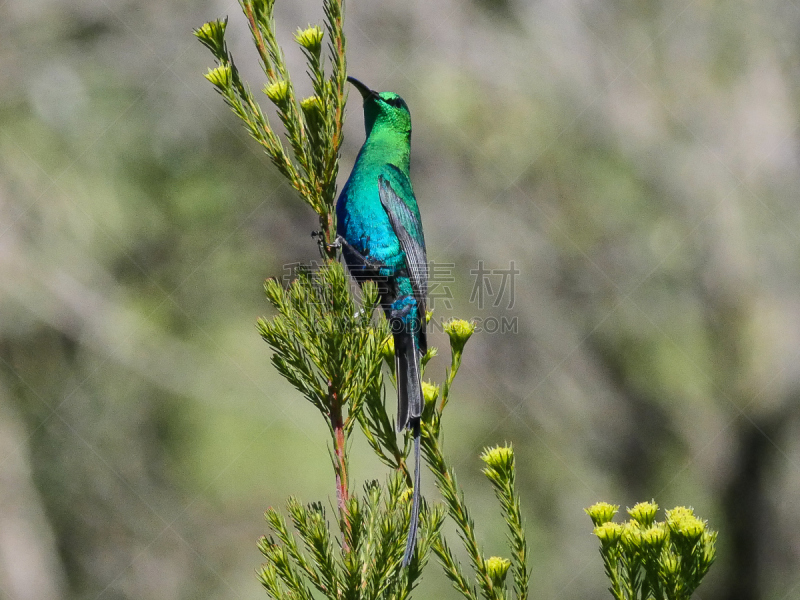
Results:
692 528
311 105
221 76
212 36
430 392
678 513
655 536
310 38
459 331
497 569
277 91
602 512
632 538
608 533
682 522
644 513
499 458
313 111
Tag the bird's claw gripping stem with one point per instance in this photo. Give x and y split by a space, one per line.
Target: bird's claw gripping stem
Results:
337 243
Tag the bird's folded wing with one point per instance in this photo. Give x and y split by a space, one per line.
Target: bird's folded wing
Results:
408 228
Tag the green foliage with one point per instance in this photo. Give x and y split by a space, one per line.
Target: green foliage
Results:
646 559
332 352
323 344
313 126
490 574
500 471
459 331
368 565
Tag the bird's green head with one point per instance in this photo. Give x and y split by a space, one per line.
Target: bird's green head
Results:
383 109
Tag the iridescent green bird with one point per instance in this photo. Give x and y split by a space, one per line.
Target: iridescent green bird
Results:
380 231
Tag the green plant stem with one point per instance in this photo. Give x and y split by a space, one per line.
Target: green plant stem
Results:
262 48
458 511
512 512
455 363
452 568
334 11
610 562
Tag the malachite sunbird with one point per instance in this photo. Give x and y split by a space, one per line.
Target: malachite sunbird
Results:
380 231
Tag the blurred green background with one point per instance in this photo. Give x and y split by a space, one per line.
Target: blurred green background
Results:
636 160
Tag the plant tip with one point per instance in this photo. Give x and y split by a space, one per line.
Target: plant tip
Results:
497 568
459 331
277 91
500 458
310 38
644 513
601 512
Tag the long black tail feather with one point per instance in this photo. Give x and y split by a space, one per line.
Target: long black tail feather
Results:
409 385
409 412
413 523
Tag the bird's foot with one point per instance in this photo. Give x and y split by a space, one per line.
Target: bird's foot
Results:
337 243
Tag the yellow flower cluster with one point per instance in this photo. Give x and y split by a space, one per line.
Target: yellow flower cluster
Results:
682 522
676 552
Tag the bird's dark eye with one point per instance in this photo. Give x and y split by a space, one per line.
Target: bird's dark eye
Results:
396 102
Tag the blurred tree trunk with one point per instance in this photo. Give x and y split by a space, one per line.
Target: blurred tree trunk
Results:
748 502
30 568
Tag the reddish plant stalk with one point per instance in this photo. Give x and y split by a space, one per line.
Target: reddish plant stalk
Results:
340 460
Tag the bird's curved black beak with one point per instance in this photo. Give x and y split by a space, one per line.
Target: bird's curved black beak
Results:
363 90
